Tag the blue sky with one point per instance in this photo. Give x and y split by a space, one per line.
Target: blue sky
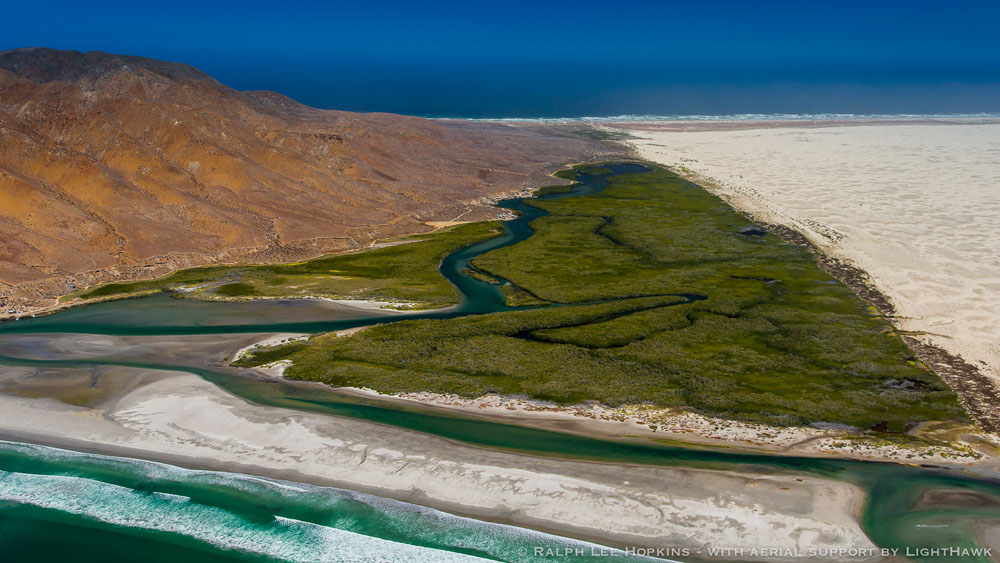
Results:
570 58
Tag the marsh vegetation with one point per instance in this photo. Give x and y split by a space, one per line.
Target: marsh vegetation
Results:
405 271
655 294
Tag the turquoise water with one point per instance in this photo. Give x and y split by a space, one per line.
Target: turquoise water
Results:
57 505
54 502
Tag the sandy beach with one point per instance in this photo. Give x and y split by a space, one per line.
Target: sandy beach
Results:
915 205
181 419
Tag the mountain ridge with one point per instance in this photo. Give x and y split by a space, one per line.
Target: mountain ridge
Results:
120 167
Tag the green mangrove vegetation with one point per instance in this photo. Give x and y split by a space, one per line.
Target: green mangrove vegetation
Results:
406 271
600 134
649 291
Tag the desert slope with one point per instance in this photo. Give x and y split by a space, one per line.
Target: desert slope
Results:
116 167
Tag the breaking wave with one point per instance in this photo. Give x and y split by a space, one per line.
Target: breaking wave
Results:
278 520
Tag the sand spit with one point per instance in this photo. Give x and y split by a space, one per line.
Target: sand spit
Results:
967 446
394 307
915 206
273 369
366 305
184 420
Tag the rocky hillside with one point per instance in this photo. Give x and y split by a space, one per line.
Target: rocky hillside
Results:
119 167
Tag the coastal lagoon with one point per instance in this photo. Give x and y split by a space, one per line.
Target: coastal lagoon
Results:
131 504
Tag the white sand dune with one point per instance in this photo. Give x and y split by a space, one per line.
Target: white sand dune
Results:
916 206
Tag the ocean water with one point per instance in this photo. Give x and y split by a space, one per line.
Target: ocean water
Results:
58 504
629 84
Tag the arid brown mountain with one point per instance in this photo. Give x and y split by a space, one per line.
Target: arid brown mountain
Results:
119 167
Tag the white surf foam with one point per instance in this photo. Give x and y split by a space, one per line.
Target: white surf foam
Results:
338 537
283 539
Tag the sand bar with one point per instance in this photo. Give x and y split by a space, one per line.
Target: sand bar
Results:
967 448
184 420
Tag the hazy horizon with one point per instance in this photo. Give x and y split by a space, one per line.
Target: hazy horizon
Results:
561 60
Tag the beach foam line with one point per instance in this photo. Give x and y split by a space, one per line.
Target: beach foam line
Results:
284 539
308 523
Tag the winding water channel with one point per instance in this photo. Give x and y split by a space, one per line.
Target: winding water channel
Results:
894 516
